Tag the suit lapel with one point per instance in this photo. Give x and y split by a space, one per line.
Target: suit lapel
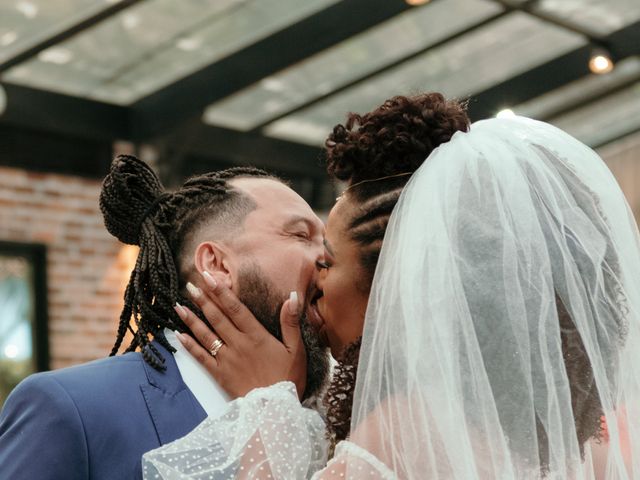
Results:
172 407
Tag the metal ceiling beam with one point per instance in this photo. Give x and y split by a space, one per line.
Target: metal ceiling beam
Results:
66 34
197 148
566 24
622 135
317 192
189 96
551 75
564 104
219 147
63 114
45 151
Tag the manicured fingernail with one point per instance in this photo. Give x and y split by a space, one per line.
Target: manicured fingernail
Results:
293 303
193 290
182 313
209 280
180 337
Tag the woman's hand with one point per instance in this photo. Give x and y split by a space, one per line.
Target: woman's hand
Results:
250 356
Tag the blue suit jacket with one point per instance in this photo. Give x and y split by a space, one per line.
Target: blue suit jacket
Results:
94 420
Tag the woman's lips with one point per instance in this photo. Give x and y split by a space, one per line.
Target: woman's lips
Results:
317 323
315 319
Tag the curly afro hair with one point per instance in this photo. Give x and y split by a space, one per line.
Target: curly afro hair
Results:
394 138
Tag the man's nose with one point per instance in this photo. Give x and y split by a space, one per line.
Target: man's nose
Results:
318 251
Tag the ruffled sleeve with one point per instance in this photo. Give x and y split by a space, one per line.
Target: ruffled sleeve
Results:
265 435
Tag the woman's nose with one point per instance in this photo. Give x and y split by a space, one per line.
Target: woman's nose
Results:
322 273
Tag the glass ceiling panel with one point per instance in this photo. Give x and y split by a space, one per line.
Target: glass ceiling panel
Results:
483 58
154 43
396 38
604 120
24 23
602 17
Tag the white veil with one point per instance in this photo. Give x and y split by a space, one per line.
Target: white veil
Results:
507 236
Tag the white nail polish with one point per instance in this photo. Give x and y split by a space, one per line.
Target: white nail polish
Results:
182 313
193 290
209 279
293 303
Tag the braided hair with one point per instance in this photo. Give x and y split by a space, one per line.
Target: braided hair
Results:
138 211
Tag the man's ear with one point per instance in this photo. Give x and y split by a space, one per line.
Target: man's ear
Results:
215 259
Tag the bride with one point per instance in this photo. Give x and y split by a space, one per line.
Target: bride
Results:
501 337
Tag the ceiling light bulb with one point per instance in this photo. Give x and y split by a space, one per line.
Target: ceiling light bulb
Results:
505 113
415 3
28 9
600 62
189 44
272 84
8 38
57 55
130 21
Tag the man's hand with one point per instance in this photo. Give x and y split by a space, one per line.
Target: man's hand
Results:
250 356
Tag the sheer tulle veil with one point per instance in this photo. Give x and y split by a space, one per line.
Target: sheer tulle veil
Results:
503 319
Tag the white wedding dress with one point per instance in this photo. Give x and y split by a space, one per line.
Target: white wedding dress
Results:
467 369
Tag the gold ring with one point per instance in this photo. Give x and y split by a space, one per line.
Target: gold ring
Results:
215 347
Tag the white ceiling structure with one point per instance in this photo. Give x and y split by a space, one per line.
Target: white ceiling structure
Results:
237 80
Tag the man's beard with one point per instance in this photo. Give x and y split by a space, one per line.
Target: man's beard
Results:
265 302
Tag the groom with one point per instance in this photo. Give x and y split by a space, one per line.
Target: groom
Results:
96 420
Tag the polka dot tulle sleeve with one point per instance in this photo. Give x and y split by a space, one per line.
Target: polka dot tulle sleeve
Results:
265 435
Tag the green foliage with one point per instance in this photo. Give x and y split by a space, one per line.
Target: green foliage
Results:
11 373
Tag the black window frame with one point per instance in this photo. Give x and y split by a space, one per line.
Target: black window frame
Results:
36 254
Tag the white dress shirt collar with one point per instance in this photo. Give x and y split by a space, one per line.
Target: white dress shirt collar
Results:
206 390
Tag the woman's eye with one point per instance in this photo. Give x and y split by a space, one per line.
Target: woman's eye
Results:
303 235
322 265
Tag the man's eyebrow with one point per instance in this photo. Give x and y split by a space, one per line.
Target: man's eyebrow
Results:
328 247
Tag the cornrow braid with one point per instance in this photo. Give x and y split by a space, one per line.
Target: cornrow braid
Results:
138 211
368 224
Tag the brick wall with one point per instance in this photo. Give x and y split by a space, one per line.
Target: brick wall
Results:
87 269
